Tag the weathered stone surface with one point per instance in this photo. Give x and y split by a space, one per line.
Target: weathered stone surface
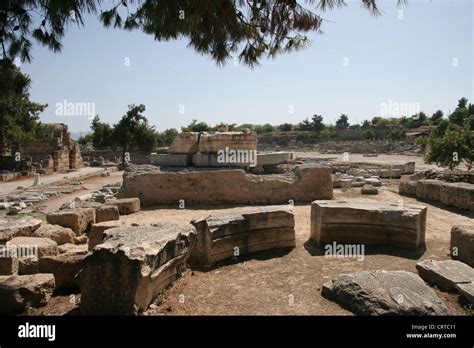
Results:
407 188
132 266
16 228
462 244
79 220
170 159
272 158
73 249
457 194
373 182
126 205
61 235
43 246
346 183
445 274
369 190
64 267
27 265
185 142
384 293
213 142
467 290
225 186
97 232
16 292
368 223
253 230
107 212
8 265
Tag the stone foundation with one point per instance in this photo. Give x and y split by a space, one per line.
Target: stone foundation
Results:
155 186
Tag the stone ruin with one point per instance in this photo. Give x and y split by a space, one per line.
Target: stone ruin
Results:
224 168
53 150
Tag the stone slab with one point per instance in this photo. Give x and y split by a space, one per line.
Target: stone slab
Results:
170 160
462 244
368 223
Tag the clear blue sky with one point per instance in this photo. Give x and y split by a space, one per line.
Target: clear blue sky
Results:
407 60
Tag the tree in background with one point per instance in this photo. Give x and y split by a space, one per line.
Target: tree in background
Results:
102 134
221 29
437 117
461 113
133 131
285 127
196 126
452 148
18 115
342 122
265 128
84 139
166 138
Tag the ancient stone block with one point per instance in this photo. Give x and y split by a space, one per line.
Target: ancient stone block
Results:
368 223
133 266
272 158
79 220
16 292
407 188
126 205
185 143
225 186
64 267
170 160
369 190
8 264
253 230
61 235
445 274
462 244
213 142
384 293
457 194
97 235
107 213
41 246
16 228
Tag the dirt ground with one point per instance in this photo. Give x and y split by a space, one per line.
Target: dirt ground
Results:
285 282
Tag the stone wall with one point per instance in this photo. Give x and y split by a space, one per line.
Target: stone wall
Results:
154 185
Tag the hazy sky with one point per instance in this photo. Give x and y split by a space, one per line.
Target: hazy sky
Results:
421 55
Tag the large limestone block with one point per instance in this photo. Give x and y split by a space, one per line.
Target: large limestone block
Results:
384 293
8 264
64 267
15 228
126 205
107 212
41 246
445 274
170 159
59 234
226 186
79 220
97 232
407 188
185 143
16 292
214 142
272 158
462 243
457 194
132 266
368 223
224 236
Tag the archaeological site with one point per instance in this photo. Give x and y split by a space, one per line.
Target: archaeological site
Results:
222 171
